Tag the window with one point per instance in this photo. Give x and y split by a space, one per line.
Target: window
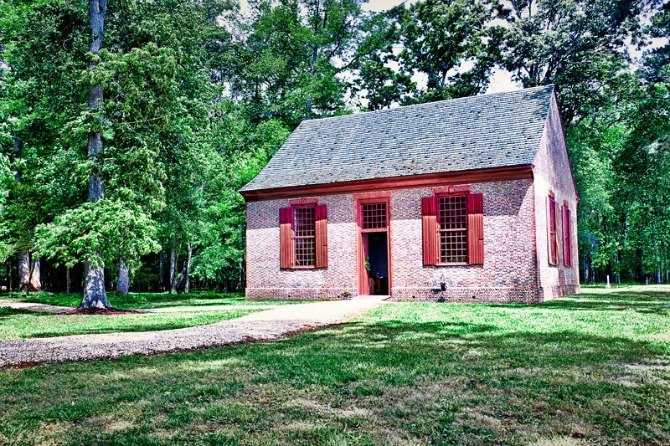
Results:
305 236
552 232
567 236
374 216
453 228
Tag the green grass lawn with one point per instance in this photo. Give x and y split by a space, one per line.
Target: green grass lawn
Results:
592 369
16 324
143 300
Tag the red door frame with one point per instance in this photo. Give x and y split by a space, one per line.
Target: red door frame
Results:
361 241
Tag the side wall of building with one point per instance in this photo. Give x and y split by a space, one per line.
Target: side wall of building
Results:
553 174
508 274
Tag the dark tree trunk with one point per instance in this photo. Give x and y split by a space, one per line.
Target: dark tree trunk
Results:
95 295
183 277
173 270
29 273
123 282
10 284
187 268
241 281
68 281
161 272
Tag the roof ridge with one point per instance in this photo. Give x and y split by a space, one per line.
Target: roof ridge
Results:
424 104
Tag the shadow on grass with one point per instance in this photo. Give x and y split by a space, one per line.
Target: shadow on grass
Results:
409 345
648 301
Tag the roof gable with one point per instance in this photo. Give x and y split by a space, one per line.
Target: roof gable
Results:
478 132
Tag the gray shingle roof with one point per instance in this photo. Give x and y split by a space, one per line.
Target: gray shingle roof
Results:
478 132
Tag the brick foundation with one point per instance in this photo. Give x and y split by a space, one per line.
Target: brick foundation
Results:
298 294
500 295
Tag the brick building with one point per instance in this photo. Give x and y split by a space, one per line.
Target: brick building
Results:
469 199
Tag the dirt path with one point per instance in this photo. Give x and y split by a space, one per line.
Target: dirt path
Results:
267 325
31 306
205 308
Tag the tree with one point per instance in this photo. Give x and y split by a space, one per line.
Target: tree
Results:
577 45
378 83
95 295
444 43
288 62
245 148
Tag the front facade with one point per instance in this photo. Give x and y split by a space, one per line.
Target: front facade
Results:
406 225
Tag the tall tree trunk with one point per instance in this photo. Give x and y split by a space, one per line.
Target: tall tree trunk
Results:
94 282
29 273
95 295
123 282
68 281
161 272
10 284
187 272
173 270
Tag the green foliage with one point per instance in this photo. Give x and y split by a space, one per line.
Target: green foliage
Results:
6 180
287 64
198 97
111 228
577 45
245 150
444 43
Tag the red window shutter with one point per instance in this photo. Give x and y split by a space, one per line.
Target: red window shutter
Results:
475 229
430 236
286 238
567 238
552 241
321 215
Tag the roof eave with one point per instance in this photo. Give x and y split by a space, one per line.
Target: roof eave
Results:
401 182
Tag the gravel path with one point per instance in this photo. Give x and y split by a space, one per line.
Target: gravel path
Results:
205 308
30 306
267 325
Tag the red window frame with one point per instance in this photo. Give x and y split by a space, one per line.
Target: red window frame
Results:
567 236
453 229
304 237
552 230
374 215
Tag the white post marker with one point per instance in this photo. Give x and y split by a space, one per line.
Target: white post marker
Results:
608 282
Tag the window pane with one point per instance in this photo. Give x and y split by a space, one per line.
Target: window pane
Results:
305 243
453 220
305 253
374 215
453 246
304 222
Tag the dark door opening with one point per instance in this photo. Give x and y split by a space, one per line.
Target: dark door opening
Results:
376 262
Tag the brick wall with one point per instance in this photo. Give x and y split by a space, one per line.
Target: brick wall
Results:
552 173
264 278
508 274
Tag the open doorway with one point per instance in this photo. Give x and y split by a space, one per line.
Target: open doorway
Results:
374 250
376 264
